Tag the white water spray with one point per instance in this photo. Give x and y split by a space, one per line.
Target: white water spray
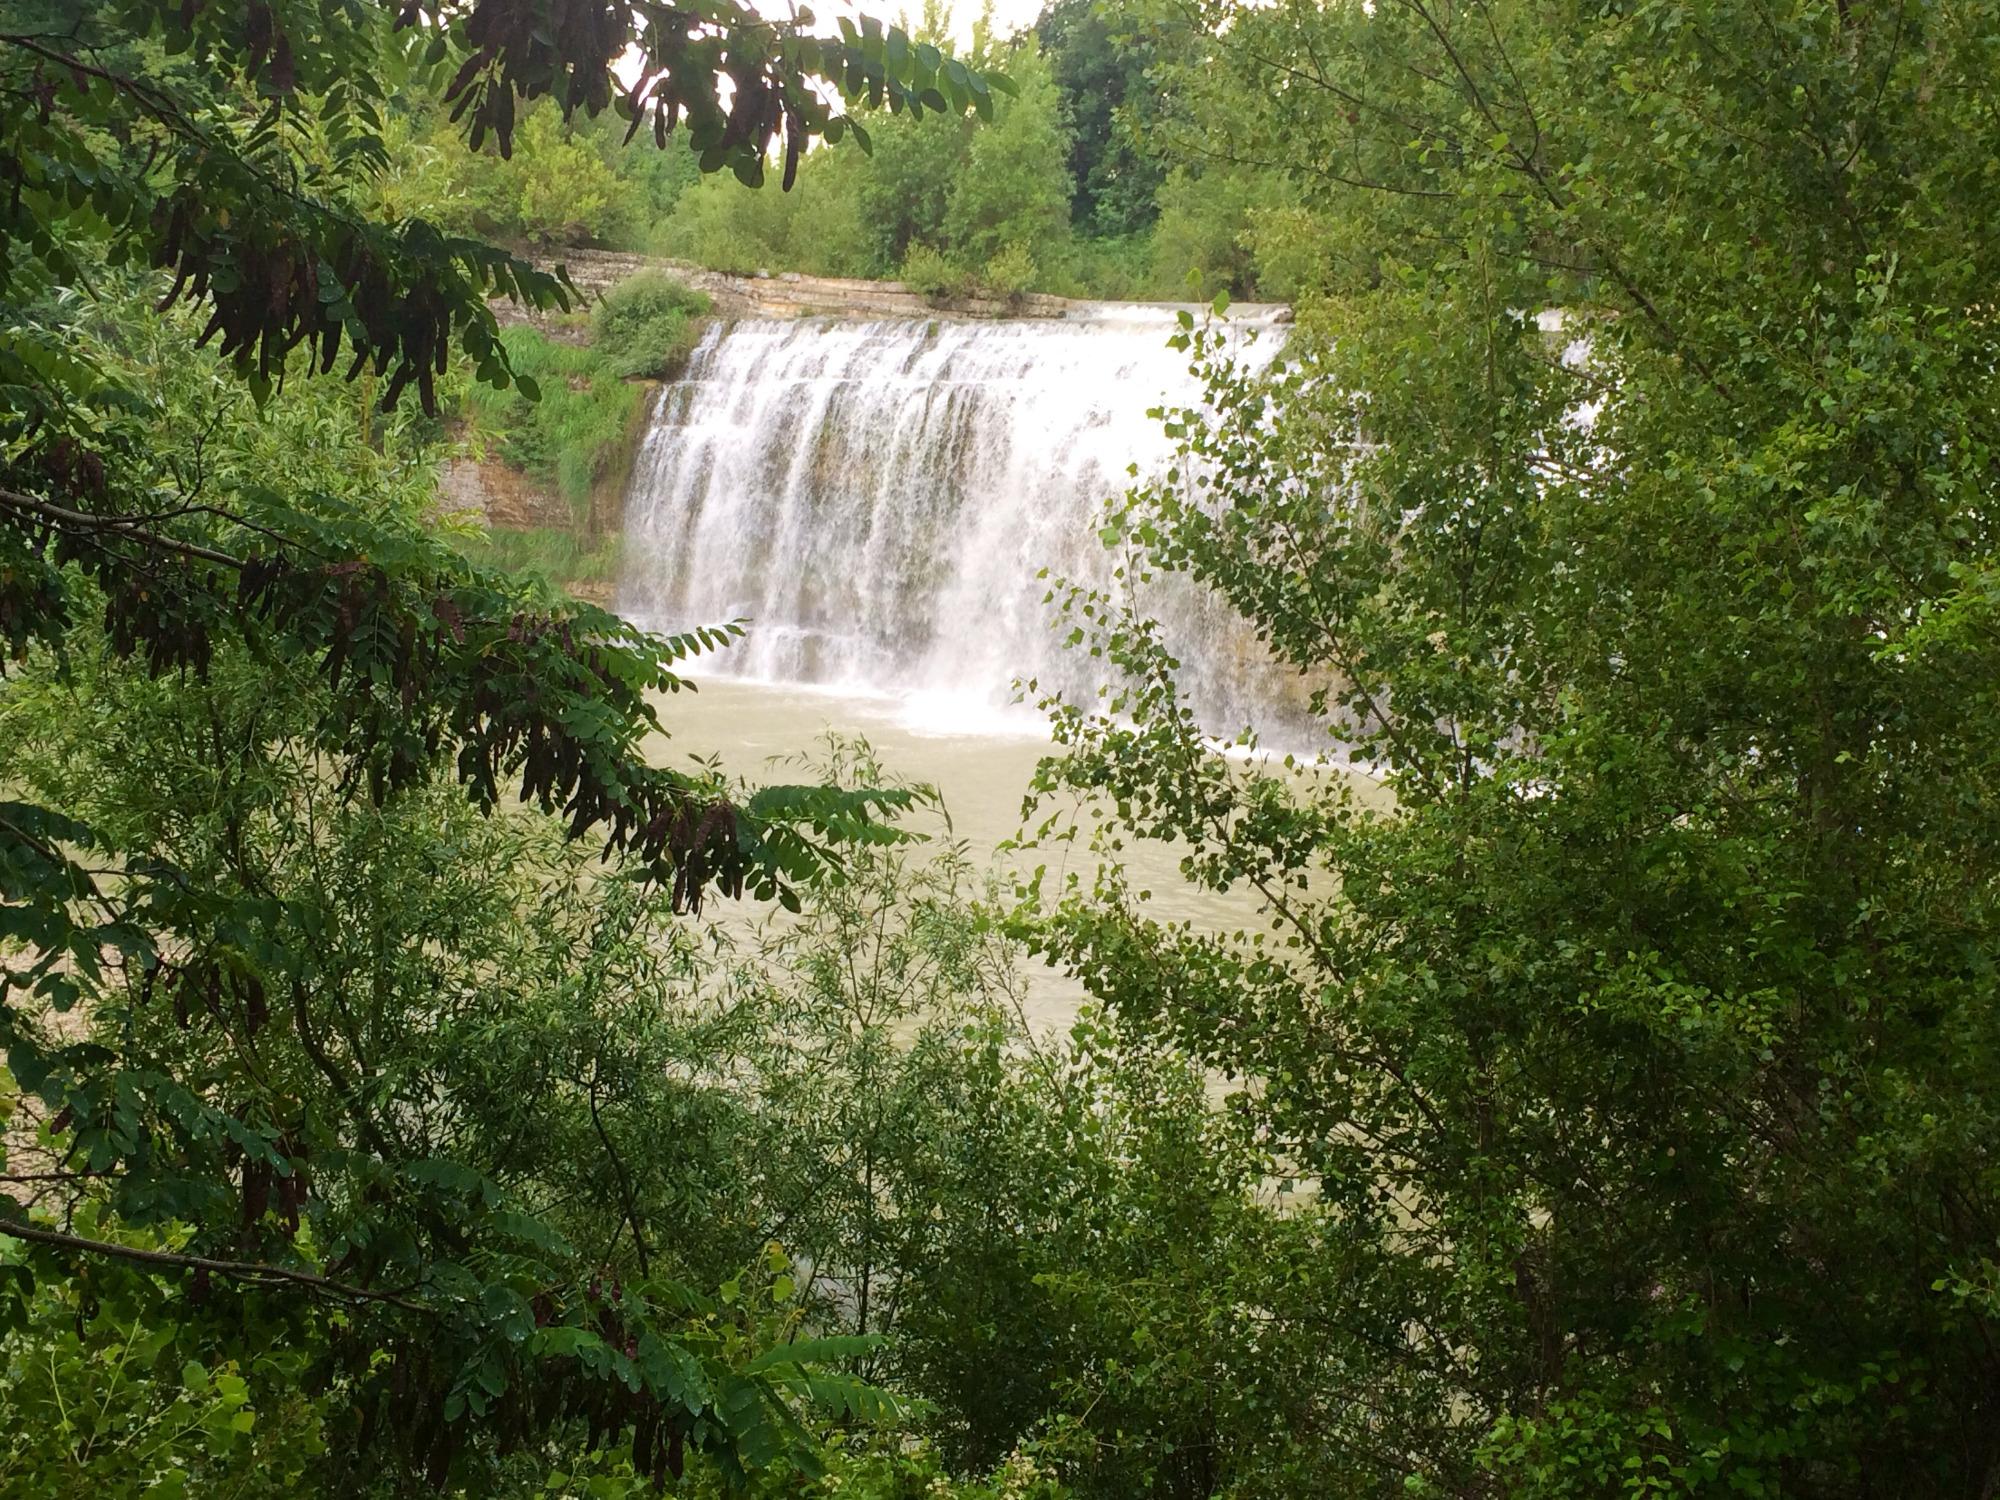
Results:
877 499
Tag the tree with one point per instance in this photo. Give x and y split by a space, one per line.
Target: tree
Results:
932 206
1209 230
1627 499
342 654
1098 61
559 186
1013 190
824 227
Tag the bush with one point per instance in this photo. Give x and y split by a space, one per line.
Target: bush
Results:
646 326
932 274
1013 186
1011 273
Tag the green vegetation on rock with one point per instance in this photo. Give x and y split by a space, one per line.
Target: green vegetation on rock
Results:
575 435
646 325
571 433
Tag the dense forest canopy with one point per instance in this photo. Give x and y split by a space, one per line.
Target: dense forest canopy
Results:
1610 1111
1087 180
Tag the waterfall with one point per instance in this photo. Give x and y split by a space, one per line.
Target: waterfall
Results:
877 499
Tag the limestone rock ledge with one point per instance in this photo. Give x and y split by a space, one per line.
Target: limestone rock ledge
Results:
790 295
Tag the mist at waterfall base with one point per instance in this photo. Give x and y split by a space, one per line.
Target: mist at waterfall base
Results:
879 501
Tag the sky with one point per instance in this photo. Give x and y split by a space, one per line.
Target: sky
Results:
1009 16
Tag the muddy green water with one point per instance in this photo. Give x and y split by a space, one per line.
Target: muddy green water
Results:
980 763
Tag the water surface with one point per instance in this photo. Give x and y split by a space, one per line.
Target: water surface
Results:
980 761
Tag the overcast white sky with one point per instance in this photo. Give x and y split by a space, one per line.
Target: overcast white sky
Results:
1009 16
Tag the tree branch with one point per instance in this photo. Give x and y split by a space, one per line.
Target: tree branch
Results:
255 1272
60 515
618 1170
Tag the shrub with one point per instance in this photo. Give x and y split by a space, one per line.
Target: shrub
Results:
1011 273
646 326
932 274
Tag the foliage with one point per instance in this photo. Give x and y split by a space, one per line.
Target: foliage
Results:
1075 1257
1094 124
1099 119
110 1392
561 185
1014 189
924 200
177 997
524 1055
931 274
1098 62
1011 272
1208 235
297 1072
1089 124
582 419
818 228
885 1472
1641 1057
645 326
862 1464
1119 270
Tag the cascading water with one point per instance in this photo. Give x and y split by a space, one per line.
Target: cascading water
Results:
877 500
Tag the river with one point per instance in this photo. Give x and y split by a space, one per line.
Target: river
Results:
768 732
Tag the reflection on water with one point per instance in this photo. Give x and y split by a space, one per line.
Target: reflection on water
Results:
980 761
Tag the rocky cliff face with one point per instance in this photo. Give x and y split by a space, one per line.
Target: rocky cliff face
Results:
498 494
514 506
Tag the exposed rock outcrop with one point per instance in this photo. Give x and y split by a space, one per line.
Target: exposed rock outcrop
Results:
499 494
790 295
